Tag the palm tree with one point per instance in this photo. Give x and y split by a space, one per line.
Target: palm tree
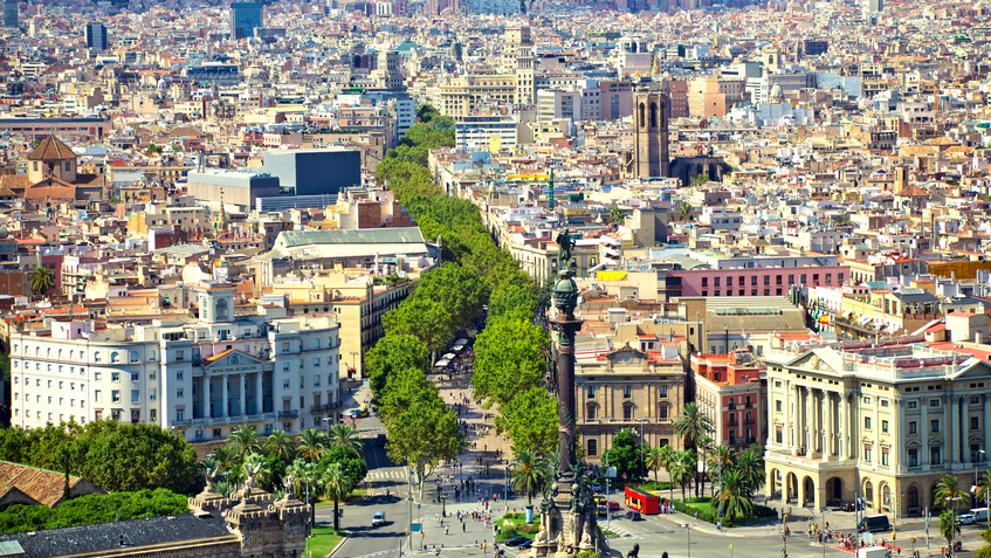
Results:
693 426
42 279
948 494
734 498
345 436
301 476
529 474
257 463
984 487
244 441
667 458
949 527
336 486
280 445
720 459
312 442
750 464
680 469
655 460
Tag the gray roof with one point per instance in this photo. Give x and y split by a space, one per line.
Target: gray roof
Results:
392 235
108 536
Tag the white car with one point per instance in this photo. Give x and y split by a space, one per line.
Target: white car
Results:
967 519
378 518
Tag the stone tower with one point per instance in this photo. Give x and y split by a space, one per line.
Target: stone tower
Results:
520 44
650 134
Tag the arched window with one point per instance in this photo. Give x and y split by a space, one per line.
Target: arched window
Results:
642 116
653 115
114 357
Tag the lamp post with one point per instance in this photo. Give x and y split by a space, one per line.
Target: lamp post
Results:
688 530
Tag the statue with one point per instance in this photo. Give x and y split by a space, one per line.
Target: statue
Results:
567 244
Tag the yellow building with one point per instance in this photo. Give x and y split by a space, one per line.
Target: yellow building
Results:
358 301
882 422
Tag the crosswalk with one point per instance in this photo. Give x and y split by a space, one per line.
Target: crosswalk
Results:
387 474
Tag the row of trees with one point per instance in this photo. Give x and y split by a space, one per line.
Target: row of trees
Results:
113 455
318 464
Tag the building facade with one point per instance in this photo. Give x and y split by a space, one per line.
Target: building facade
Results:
728 390
628 389
880 422
203 377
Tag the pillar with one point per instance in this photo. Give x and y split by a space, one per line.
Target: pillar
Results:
831 424
223 401
786 407
844 429
242 407
924 429
952 435
986 425
900 438
259 406
208 393
965 430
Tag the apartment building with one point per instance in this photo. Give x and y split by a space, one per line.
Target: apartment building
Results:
882 422
728 390
202 377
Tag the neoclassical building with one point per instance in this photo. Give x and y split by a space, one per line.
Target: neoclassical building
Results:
628 388
880 421
203 376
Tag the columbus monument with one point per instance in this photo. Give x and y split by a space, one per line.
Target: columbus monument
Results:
567 513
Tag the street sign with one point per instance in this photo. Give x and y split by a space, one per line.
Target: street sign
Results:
416 527
611 472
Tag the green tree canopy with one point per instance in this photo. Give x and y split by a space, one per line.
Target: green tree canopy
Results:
422 435
625 455
427 320
509 359
394 352
530 421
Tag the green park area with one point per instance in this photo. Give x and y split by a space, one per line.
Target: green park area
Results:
323 540
514 524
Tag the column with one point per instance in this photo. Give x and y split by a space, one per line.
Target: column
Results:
899 440
258 392
786 408
241 402
843 430
207 393
831 424
952 435
986 425
924 430
223 391
965 432
814 420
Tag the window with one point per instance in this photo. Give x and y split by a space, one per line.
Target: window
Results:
663 412
974 423
590 392
777 405
884 456
912 404
884 426
935 456
663 391
934 402
115 377
934 426
867 454
627 392
179 393
778 436
913 427
913 457
593 448
590 411
135 377
867 399
97 394
115 396
867 423
627 412
135 395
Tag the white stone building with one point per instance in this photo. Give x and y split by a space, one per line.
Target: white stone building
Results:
203 377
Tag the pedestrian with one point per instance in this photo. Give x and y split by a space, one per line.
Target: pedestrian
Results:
463 528
447 529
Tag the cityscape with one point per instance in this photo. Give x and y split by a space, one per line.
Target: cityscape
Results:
495 278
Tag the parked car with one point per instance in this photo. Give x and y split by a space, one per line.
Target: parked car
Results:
378 518
517 541
967 518
634 516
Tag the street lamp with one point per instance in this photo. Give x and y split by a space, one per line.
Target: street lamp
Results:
688 530
640 467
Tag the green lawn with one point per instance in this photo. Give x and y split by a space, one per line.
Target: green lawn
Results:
706 510
323 540
513 524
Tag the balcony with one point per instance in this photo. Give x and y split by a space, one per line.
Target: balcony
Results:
289 414
183 422
326 407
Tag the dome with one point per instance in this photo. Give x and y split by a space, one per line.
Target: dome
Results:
776 92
